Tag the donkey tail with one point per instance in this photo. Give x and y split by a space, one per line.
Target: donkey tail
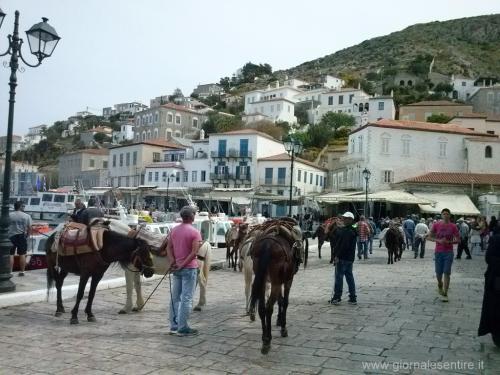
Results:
259 282
51 269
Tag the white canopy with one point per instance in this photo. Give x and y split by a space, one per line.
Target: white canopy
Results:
458 204
392 196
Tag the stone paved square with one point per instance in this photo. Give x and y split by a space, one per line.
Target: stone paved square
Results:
399 320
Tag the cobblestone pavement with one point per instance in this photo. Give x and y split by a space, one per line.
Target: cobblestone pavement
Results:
399 320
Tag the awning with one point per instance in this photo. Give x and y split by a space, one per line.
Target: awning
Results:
458 204
391 196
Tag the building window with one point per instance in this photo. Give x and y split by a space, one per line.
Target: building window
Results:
463 83
143 136
177 119
278 107
488 152
406 147
157 117
185 175
442 149
330 100
203 176
360 144
268 176
195 122
299 174
194 176
170 118
341 99
381 106
305 177
134 158
387 177
317 180
157 176
127 159
281 176
156 157
156 134
104 164
150 176
310 178
114 160
91 163
121 160
386 138
352 145
149 134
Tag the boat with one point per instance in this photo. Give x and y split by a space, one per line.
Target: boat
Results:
35 257
48 206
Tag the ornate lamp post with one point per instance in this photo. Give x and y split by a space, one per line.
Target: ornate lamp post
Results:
366 175
42 39
168 185
293 147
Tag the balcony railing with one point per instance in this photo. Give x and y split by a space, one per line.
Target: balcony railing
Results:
230 176
232 153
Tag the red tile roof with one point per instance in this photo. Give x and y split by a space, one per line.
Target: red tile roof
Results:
472 115
286 157
456 178
424 126
153 142
181 108
245 132
427 103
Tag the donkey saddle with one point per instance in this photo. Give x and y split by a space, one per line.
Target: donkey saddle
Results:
76 238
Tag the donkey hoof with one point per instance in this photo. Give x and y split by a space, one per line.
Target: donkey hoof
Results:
284 333
74 321
58 313
252 317
122 311
265 348
136 309
197 308
91 318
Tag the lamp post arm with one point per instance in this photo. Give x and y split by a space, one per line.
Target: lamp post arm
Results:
9 49
24 61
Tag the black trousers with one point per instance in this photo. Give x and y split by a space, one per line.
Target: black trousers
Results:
463 245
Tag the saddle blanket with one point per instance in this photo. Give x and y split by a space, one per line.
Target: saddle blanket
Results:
157 241
76 238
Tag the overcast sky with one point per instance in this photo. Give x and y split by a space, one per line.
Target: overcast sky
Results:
115 51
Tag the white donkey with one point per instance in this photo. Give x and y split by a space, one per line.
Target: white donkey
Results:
161 265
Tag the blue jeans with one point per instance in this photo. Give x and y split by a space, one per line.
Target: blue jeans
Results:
410 237
362 249
370 244
342 268
183 285
443 261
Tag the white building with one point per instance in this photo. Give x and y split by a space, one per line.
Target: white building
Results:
353 102
394 151
463 88
275 103
479 122
130 109
126 133
35 135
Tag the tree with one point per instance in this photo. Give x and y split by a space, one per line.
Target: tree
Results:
439 118
420 64
218 123
336 120
269 128
101 138
250 71
177 94
443 88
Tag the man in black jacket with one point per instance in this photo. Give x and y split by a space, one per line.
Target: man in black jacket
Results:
91 212
345 248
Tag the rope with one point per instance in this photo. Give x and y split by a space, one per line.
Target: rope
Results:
156 287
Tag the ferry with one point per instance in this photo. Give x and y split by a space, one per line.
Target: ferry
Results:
48 206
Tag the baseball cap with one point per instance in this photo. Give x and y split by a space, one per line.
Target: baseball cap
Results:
348 214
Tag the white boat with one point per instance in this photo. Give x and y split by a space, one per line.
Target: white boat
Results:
49 206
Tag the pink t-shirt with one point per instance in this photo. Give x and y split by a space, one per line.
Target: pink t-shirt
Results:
182 237
445 231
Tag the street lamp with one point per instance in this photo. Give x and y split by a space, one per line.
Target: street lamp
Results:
168 185
366 175
293 147
42 39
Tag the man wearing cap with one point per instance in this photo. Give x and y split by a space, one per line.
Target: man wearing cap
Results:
343 258
421 232
183 244
445 234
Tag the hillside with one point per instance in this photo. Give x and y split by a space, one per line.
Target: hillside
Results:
468 46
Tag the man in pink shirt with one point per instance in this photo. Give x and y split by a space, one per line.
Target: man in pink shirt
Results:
183 244
445 234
